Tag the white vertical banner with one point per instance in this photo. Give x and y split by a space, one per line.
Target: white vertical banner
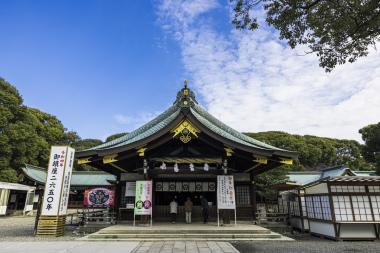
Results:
66 181
226 192
58 179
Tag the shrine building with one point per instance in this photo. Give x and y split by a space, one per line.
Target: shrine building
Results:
182 151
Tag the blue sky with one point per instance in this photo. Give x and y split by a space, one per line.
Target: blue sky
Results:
98 58
104 67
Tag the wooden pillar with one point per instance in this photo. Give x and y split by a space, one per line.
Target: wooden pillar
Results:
252 187
117 197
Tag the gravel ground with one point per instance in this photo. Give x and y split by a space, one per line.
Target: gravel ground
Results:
21 229
309 246
306 243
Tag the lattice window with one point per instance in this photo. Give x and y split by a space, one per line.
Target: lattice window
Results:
326 208
243 195
303 205
347 188
374 188
362 208
309 207
317 207
342 208
375 200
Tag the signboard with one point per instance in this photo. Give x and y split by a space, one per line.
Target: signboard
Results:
57 185
226 192
130 189
143 199
99 197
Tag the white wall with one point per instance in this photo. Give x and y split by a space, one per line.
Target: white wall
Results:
322 228
357 231
319 188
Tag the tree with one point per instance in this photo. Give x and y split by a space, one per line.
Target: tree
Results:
82 145
316 152
337 31
26 134
371 150
114 136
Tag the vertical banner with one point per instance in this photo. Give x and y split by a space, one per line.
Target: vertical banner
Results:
58 181
66 181
226 192
143 199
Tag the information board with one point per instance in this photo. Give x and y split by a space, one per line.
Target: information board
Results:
226 192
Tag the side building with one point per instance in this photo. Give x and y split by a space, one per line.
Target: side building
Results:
336 202
80 181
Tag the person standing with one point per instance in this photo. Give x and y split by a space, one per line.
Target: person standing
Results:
204 204
173 210
188 210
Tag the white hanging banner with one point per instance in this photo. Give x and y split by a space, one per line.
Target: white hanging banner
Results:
226 192
66 181
57 187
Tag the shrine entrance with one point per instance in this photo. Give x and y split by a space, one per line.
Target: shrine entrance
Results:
165 191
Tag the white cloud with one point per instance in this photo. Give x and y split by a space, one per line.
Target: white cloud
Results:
254 82
134 121
122 119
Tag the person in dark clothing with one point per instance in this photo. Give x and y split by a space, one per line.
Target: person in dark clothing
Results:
204 204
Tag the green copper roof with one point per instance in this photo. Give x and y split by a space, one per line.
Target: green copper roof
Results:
79 178
144 131
307 177
222 129
186 103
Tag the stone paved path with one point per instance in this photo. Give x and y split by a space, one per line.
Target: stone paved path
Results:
185 247
67 247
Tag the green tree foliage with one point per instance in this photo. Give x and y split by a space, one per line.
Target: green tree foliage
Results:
82 145
371 150
337 31
314 153
26 134
114 136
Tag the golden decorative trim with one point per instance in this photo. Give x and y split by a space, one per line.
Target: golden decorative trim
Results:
84 160
286 161
229 151
261 159
109 158
186 130
141 151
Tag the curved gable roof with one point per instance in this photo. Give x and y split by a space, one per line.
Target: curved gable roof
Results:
186 104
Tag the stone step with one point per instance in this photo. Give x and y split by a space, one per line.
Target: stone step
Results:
97 236
182 231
